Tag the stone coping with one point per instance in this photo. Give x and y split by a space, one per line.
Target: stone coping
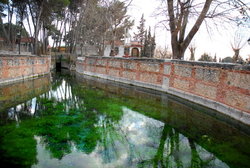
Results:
17 55
233 66
178 77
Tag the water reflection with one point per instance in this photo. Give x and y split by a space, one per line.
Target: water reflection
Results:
20 98
84 123
132 142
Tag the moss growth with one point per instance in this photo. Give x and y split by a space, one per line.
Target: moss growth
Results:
87 118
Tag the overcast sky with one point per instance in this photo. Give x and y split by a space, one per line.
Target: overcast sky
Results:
217 41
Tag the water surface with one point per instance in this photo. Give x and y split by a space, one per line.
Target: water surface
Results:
73 121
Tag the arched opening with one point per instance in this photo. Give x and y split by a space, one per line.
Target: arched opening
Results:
135 52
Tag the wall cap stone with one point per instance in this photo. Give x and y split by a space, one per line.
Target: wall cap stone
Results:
166 67
129 58
232 66
229 66
17 55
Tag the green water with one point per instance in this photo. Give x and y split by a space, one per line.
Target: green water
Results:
69 121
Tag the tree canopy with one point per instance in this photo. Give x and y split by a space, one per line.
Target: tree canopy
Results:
80 22
70 21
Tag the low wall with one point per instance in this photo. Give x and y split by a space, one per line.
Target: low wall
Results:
222 87
19 67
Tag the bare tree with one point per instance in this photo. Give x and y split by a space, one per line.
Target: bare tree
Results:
237 44
192 49
185 18
162 53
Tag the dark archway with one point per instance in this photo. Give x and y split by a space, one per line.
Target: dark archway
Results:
135 52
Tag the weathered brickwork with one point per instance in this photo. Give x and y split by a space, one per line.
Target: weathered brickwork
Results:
101 70
224 84
207 74
115 64
18 67
149 78
206 91
129 65
240 80
183 71
167 69
181 84
91 61
129 75
236 99
114 72
90 68
149 67
101 62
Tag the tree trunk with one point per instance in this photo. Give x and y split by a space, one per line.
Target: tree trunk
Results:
236 55
112 47
179 44
178 52
37 26
28 20
4 31
10 14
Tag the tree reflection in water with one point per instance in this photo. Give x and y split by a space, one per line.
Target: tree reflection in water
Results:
74 120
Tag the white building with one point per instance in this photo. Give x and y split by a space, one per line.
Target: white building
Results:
122 49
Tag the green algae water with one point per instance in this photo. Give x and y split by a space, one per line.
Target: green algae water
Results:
72 121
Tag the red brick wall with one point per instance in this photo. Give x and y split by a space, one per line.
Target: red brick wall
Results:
149 71
225 84
18 67
228 85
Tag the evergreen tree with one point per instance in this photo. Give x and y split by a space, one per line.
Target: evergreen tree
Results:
118 21
152 46
206 57
140 35
149 44
145 43
215 58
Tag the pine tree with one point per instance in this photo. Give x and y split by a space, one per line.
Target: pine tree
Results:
145 44
152 46
140 35
215 58
206 57
149 44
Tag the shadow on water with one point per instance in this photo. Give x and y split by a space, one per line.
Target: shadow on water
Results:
77 121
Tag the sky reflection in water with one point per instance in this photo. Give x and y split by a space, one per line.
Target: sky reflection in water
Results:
74 123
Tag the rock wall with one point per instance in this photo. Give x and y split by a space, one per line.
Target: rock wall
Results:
222 87
18 67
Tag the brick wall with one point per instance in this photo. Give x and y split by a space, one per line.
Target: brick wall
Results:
13 67
223 87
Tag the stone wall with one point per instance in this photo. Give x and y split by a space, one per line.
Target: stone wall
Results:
18 67
222 87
